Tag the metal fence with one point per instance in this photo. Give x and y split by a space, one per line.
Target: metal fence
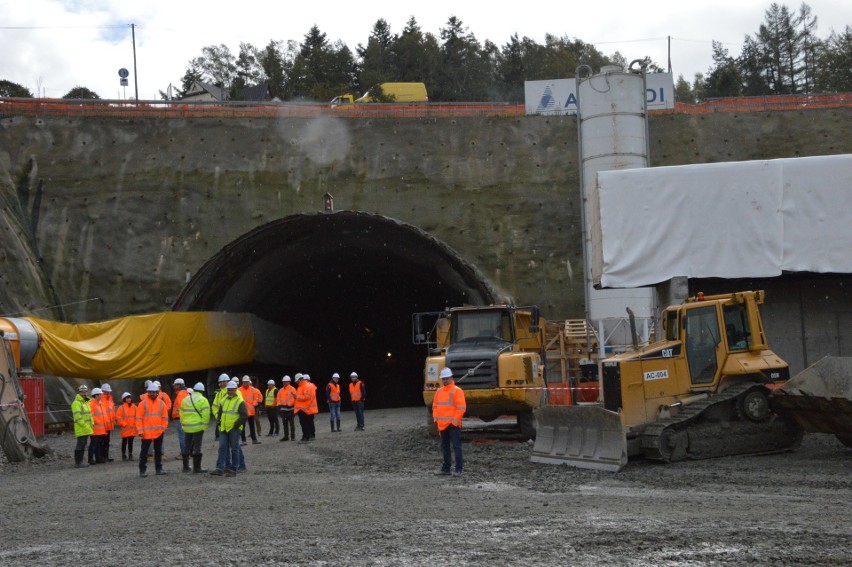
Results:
178 109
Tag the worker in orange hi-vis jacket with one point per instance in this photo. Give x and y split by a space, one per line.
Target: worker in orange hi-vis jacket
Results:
448 407
125 418
251 396
108 405
286 402
152 419
180 393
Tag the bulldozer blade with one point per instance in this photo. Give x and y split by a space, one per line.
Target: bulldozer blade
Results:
586 437
820 397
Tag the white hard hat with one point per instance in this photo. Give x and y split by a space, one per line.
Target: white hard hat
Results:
152 387
96 391
353 375
147 383
298 376
270 383
246 378
335 375
285 379
106 388
224 377
157 382
83 388
446 373
179 381
125 395
306 377
232 385
199 387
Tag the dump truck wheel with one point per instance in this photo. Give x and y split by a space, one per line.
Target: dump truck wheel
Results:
754 406
526 423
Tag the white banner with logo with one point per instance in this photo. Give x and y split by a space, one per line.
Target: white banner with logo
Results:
559 96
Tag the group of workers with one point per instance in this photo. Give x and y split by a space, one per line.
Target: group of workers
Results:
95 417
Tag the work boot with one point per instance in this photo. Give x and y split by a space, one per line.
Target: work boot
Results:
196 464
78 460
161 472
217 472
124 456
284 439
338 426
332 427
186 464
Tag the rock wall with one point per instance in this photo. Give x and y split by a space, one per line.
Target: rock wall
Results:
109 216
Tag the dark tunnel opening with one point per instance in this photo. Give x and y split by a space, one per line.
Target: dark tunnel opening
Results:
339 289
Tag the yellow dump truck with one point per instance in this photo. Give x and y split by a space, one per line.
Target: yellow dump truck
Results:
385 92
507 359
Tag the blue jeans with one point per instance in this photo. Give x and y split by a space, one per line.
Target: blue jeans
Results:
359 413
333 411
452 436
229 450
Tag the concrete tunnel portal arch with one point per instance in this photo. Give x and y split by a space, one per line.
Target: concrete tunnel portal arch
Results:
336 292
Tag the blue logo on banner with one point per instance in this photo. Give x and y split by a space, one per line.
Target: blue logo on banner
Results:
547 102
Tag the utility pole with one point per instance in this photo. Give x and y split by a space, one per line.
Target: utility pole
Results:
135 80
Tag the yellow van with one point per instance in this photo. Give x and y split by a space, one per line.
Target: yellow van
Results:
399 92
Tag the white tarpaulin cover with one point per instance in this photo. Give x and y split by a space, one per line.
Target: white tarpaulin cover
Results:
727 220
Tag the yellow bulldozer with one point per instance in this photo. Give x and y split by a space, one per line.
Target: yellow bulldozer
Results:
711 387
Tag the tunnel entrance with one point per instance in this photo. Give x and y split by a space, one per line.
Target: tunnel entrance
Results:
342 286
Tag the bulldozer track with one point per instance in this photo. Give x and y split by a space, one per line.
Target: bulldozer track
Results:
689 436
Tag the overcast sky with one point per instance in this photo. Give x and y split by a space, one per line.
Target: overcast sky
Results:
51 46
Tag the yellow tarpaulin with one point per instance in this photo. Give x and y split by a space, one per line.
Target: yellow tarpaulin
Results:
142 346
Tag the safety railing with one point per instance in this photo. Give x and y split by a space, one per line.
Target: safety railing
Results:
213 109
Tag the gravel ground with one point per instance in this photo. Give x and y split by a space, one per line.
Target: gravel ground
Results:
371 498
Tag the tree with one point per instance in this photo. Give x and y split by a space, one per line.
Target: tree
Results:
463 75
377 65
416 56
218 65
277 64
81 93
14 90
248 70
724 79
322 71
683 91
834 62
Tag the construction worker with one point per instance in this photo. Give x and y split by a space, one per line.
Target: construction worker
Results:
332 398
231 417
180 393
99 428
248 394
108 405
269 404
125 417
220 395
306 407
194 416
152 420
448 407
357 393
81 413
286 400
258 398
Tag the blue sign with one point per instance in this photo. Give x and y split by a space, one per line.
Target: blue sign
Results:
123 73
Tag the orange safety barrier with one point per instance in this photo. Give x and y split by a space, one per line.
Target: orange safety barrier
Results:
177 109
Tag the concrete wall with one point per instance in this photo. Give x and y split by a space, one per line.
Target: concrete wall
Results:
125 210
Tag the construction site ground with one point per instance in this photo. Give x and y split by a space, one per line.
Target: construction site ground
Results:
372 498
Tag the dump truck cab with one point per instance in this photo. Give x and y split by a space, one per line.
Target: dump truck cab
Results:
495 354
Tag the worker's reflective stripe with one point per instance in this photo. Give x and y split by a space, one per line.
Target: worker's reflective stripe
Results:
144 422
